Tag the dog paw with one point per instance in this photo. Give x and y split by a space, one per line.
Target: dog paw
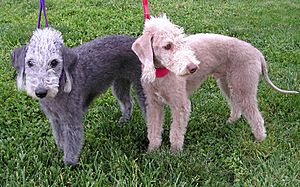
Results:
232 120
123 119
175 149
152 148
73 164
70 162
260 137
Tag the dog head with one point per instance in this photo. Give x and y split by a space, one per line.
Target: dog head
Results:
163 43
43 63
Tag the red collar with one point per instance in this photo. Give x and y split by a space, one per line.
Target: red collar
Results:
161 72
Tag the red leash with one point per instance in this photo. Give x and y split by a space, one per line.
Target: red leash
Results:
160 72
146 10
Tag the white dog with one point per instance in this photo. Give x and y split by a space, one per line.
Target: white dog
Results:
235 64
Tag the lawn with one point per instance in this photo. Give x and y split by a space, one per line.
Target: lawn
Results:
215 153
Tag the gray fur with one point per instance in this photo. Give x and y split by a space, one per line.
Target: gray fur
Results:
82 73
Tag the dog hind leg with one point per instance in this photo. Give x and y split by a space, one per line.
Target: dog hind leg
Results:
141 97
253 116
235 110
243 92
121 90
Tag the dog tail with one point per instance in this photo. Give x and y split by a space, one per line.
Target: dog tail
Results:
267 79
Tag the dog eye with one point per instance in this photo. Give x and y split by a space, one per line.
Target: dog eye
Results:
30 64
53 63
168 47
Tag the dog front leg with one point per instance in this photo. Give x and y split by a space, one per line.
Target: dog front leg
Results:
73 139
55 124
155 118
180 109
57 133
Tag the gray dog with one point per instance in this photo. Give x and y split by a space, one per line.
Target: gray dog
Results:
65 81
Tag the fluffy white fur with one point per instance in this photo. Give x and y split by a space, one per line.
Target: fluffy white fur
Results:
158 33
44 46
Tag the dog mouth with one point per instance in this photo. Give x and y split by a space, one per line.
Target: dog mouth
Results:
185 74
188 72
42 93
51 93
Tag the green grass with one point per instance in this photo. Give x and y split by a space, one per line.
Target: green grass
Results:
215 153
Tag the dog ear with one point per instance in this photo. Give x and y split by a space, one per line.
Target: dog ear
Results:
18 62
69 62
142 47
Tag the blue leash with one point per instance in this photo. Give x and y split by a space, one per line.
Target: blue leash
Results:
42 8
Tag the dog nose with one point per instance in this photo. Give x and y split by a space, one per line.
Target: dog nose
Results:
192 68
41 92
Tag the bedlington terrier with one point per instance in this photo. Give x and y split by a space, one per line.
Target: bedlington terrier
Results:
66 81
235 64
